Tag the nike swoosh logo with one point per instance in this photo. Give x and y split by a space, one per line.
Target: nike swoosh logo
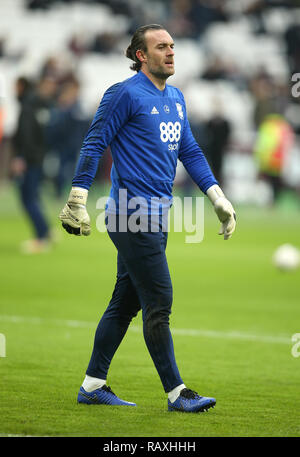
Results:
93 398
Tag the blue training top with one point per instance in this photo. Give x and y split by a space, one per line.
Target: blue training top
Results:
147 130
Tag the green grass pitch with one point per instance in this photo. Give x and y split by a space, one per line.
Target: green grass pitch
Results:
232 319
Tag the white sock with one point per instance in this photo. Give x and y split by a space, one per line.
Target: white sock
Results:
174 394
91 383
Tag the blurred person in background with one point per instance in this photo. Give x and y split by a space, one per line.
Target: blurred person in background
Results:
216 69
30 147
275 138
204 13
57 68
217 132
104 43
179 22
274 133
2 47
292 40
51 69
66 130
1 120
2 159
267 97
78 44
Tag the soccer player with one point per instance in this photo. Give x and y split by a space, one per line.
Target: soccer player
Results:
144 121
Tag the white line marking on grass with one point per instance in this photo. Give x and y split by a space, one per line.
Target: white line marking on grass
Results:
231 335
10 435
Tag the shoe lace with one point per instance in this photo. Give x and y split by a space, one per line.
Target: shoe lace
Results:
108 389
188 393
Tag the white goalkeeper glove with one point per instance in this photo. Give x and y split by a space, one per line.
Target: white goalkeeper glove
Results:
224 210
74 216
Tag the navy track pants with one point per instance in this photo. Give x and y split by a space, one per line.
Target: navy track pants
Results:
143 282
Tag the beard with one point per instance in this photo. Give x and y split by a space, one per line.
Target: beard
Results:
162 73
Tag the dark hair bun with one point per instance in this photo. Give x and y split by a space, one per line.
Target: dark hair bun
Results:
129 53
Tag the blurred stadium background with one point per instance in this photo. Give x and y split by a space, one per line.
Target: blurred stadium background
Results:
234 63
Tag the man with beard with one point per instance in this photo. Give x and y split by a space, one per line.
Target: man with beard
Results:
144 121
